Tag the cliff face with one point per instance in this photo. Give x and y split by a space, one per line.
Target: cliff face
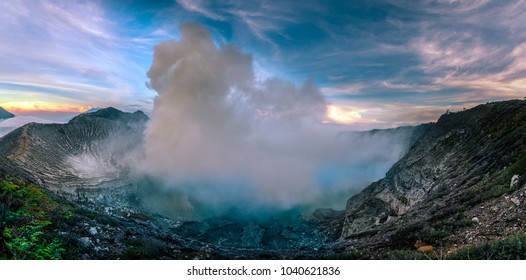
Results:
10 170
89 150
465 160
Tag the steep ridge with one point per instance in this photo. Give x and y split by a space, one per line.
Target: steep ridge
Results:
89 150
8 169
469 159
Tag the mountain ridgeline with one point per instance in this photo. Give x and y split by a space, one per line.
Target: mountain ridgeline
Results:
465 174
90 150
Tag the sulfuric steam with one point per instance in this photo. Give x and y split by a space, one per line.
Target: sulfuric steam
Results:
223 138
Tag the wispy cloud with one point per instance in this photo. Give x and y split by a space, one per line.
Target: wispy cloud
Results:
90 21
200 6
479 49
372 56
450 55
65 48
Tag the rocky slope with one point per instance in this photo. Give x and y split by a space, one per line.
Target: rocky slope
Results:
90 150
10 170
463 181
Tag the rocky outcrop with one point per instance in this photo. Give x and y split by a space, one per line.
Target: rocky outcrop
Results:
465 159
92 149
9 170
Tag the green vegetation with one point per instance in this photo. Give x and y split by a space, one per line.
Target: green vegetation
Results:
408 255
145 248
353 255
430 232
511 248
27 216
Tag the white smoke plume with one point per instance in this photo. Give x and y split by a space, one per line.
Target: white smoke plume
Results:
224 138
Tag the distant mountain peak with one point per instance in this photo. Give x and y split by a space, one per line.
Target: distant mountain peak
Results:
5 114
111 113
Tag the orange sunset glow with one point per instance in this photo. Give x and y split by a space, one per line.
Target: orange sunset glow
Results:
342 114
28 106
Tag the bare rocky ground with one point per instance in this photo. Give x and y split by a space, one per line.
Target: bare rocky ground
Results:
461 184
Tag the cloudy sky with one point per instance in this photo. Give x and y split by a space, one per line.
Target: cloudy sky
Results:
378 63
